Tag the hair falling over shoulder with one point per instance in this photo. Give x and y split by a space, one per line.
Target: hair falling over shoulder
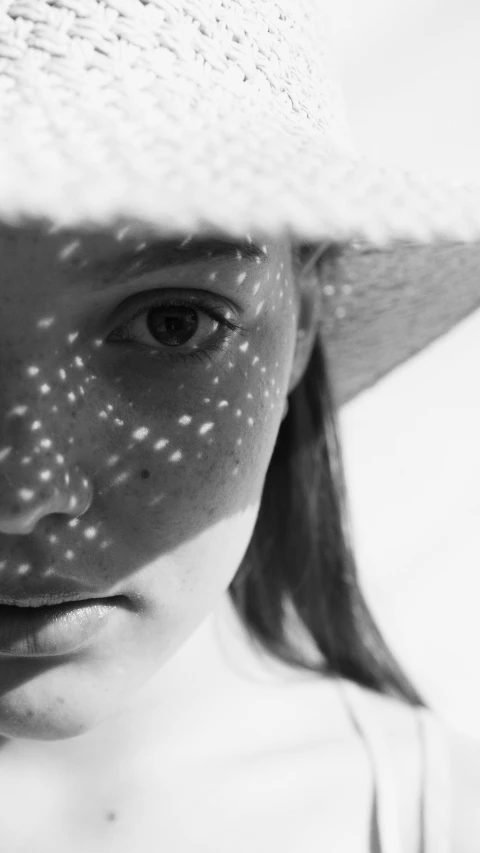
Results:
300 557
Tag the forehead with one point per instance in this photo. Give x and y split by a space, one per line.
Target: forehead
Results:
111 253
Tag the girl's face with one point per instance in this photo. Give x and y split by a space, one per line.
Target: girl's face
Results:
136 428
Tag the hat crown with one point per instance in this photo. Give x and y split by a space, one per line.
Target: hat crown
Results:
121 56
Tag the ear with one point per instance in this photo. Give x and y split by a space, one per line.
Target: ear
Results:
309 296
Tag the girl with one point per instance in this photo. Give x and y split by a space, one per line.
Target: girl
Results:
186 658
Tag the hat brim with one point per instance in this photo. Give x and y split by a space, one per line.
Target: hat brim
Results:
382 306
266 173
257 168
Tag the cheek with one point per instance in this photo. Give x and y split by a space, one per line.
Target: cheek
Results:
189 447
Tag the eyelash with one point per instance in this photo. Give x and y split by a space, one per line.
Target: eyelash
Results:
211 309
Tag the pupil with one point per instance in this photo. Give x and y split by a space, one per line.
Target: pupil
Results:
172 326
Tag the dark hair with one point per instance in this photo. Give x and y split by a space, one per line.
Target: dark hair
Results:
300 557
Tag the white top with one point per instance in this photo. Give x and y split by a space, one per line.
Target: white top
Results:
259 756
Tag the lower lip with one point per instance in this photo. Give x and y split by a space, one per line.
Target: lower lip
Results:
56 630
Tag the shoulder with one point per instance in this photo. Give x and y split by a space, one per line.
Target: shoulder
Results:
464 759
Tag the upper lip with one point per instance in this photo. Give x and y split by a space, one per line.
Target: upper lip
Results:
40 598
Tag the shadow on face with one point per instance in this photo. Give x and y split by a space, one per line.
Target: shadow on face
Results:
142 383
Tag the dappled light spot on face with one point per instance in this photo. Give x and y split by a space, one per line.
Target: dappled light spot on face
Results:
205 428
45 322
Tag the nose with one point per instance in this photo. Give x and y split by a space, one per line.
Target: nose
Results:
21 508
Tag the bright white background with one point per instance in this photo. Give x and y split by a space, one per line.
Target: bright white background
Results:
411 78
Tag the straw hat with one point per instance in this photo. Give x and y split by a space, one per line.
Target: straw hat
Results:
224 116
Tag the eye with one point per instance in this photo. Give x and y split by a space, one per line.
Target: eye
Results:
179 328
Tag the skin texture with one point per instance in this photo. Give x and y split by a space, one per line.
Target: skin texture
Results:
122 474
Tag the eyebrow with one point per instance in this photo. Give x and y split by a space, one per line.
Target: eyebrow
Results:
168 254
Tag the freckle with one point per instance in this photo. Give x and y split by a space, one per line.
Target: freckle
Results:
340 311
199 455
67 479
175 457
244 346
71 397
259 307
222 404
238 413
278 276
249 396
74 522
255 360
213 276
161 444
4 453
26 460
216 380
263 369
71 338
98 343
121 478
45 475
267 393
205 428
53 539
118 422
329 290
140 434
241 278
256 288
32 371
251 421
102 415
235 471
231 364
45 389
239 441
185 420
26 494
69 555
36 425
206 399
54 408
145 474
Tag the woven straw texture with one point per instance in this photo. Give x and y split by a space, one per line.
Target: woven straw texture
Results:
190 115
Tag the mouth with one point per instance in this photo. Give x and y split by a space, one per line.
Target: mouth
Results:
51 600
56 628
